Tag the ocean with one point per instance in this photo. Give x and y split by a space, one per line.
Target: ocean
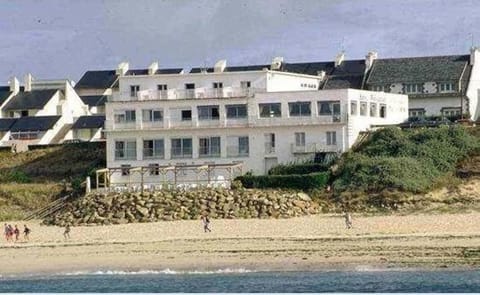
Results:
240 281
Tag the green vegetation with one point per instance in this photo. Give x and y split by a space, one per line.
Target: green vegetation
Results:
305 168
309 181
30 180
412 160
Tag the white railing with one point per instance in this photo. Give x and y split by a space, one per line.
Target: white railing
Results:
197 93
313 148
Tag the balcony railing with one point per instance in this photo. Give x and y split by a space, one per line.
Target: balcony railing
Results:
172 94
313 148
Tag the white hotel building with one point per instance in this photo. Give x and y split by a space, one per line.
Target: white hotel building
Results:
257 116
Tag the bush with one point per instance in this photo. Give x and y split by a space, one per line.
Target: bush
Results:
411 160
306 168
15 176
296 181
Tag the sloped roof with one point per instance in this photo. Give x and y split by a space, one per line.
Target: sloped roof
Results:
97 80
89 122
94 100
157 72
6 123
4 93
232 69
35 99
418 69
340 82
41 123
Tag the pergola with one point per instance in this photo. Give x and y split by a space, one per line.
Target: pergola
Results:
103 176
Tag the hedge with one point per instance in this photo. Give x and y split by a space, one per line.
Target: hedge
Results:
295 181
306 168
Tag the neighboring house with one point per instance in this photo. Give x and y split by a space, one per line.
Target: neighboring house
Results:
95 103
89 128
444 86
258 116
40 104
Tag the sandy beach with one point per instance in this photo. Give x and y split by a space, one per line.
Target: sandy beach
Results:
307 243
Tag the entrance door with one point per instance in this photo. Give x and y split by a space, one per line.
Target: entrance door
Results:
269 163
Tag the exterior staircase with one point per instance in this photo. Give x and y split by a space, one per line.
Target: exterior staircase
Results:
50 209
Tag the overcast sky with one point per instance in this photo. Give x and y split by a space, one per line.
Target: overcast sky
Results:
63 39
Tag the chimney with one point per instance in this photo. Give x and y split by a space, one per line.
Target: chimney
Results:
474 55
276 63
152 69
14 85
369 58
321 74
28 82
122 68
339 58
220 66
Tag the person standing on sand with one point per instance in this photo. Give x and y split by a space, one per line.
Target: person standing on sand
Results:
348 220
17 233
10 233
206 223
26 232
66 234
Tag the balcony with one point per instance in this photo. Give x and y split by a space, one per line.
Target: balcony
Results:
235 151
269 148
311 148
174 94
297 121
112 125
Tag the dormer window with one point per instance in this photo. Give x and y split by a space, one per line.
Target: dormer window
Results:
378 88
413 88
446 87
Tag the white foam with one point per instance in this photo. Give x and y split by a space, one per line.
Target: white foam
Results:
166 271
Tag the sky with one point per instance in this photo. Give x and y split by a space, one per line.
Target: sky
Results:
64 38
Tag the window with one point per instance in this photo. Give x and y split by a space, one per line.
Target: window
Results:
298 109
181 148
190 86
299 138
208 113
329 108
190 90
125 150
153 148
446 87
125 170
378 88
245 84
269 143
416 113
154 169
270 110
383 110
353 108
25 113
451 112
209 147
152 116
363 108
127 116
413 88
186 115
237 146
373 109
236 111
331 138
162 87
217 85
133 90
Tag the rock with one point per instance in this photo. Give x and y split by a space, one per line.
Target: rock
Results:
303 196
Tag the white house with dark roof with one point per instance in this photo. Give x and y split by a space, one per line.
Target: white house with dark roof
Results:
258 116
43 110
444 86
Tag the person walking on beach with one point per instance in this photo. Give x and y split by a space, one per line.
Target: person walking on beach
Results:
26 232
17 233
66 234
348 220
206 223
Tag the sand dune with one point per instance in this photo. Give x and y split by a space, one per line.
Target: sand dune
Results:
314 242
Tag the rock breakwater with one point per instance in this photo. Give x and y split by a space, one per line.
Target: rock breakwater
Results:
120 208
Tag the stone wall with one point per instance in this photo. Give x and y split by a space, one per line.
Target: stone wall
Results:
119 208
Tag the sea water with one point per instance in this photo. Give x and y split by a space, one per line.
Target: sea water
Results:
240 281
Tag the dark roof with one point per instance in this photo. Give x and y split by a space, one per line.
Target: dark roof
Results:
339 82
350 67
232 69
94 100
4 94
34 123
418 69
89 122
35 99
6 123
309 68
97 80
